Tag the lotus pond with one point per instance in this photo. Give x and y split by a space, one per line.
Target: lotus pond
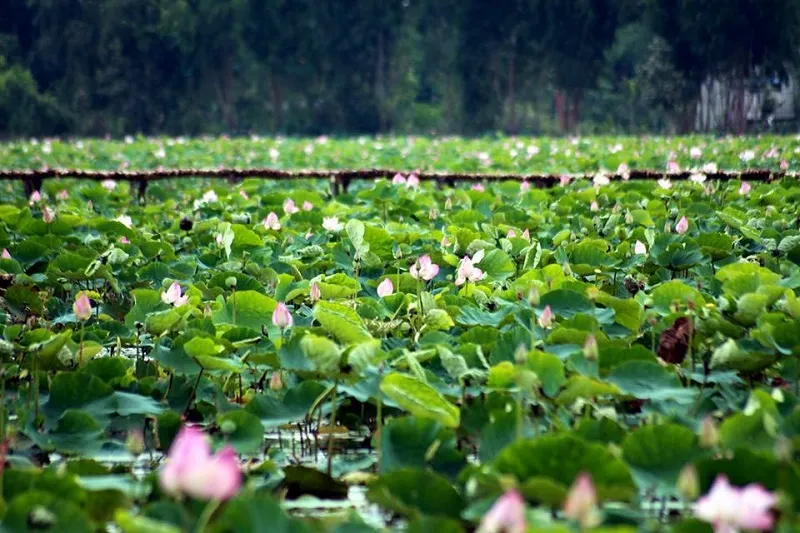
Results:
263 356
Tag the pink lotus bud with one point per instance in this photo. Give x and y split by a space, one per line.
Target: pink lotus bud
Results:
593 207
581 503
413 181
399 179
62 194
275 381
6 254
190 468
744 190
385 288
526 235
48 215
108 185
36 197
289 208
546 318
682 226
124 240
639 248
524 186
511 234
82 307
590 349
507 515
478 187
314 293
307 206
281 317
445 242
673 167
271 221
784 165
564 180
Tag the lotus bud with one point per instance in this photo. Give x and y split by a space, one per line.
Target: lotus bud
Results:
590 348
314 293
546 318
135 442
688 483
82 307
281 317
533 297
709 434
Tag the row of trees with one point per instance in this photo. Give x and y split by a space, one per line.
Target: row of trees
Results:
365 66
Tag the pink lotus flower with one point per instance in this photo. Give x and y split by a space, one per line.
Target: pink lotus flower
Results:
682 226
695 152
467 271
524 186
424 268
108 185
62 194
581 503
744 190
385 288
192 470
314 293
624 171
639 248
673 167
307 206
36 197
271 221
124 240
731 509
5 254
784 164
665 184
413 181
564 180
281 317
82 307
478 187
48 215
507 515
399 179
546 318
173 295
600 180
289 208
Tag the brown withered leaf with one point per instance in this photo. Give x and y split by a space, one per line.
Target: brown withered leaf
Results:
674 343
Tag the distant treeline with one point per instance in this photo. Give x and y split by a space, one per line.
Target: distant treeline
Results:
96 67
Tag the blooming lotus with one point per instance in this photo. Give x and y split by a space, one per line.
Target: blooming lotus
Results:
624 171
271 221
695 152
332 224
82 307
210 196
697 177
192 470
747 155
744 190
600 180
581 503
424 269
564 180
682 226
289 208
524 186
125 220
281 317
710 168
314 293
36 197
173 295
732 509
307 206
467 271
507 515
124 240
665 183
385 288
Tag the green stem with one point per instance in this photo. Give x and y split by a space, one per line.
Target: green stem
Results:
379 420
80 348
419 299
194 391
205 518
332 426
234 306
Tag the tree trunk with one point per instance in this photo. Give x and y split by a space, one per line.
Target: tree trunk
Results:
511 124
561 112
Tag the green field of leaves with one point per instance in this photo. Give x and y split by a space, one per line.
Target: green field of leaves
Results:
263 356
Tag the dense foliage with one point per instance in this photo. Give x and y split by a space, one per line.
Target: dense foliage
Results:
308 66
401 355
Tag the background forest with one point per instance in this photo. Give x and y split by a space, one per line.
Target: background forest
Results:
97 67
